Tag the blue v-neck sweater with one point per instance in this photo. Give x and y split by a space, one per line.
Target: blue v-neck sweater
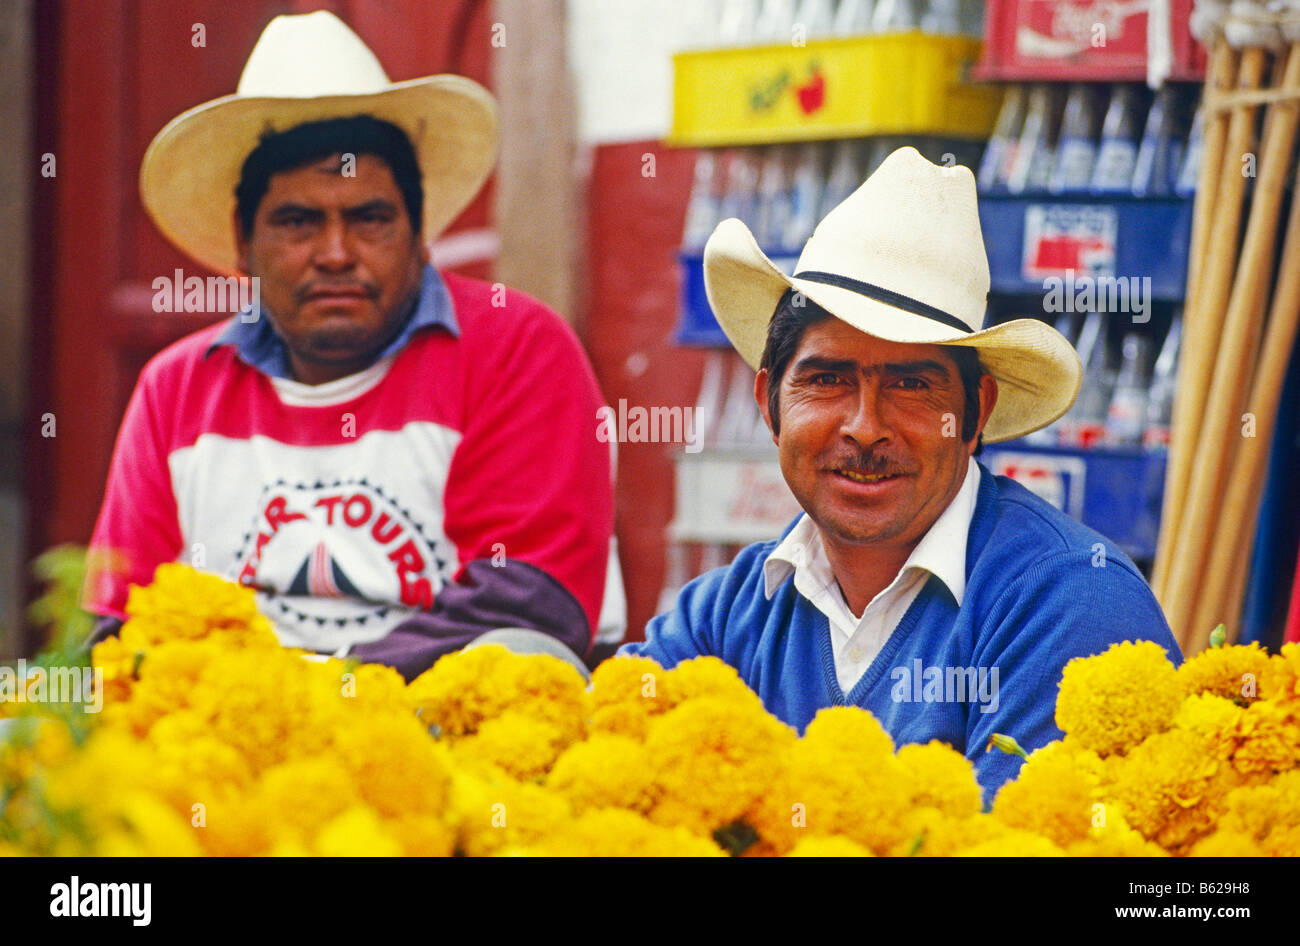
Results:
1040 590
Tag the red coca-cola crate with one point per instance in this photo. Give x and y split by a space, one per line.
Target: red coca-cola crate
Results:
1103 40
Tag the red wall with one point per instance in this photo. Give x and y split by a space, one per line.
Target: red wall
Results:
630 313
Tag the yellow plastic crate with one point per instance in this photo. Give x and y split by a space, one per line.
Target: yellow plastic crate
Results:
897 83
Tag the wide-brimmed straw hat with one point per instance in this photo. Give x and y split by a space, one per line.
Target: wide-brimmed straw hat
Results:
902 258
308 68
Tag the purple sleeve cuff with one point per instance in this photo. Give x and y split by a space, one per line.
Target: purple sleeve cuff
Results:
515 594
106 626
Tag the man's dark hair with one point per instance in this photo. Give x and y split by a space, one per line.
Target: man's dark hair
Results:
313 141
785 332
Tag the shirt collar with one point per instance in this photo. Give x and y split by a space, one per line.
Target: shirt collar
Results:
941 551
256 343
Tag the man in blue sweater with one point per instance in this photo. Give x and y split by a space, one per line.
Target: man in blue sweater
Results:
918 586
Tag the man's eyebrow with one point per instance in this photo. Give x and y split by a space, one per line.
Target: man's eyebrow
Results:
370 206
848 366
289 207
822 363
923 366
378 203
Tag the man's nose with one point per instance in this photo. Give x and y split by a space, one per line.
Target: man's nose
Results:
864 422
334 247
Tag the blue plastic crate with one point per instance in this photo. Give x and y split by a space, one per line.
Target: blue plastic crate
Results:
1030 239
1116 490
696 325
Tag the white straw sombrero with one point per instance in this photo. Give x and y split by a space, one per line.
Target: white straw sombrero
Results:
307 68
902 258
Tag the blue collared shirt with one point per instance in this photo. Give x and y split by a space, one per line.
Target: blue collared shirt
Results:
257 343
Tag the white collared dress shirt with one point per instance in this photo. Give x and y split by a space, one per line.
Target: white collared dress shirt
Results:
855 641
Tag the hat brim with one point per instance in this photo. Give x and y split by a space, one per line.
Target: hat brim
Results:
189 172
1037 370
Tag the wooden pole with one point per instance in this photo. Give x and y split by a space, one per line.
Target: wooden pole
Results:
1234 368
1238 520
1220 76
1200 346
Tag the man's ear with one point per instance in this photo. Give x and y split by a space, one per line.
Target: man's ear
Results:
241 243
988 400
760 395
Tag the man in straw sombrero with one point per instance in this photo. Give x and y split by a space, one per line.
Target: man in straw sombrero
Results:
917 585
398 459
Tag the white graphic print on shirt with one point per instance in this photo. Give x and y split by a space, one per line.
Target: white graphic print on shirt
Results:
343 541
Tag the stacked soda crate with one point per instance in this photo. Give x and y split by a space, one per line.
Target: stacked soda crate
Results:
1086 192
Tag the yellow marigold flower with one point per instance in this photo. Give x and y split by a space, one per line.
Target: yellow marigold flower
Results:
1227 844
397 768
816 846
1052 796
306 794
1112 701
941 777
1230 672
613 832
1015 843
423 835
522 745
146 827
1282 675
289 847
357 832
494 815
621 719
462 689
268 704
714 758
110 767
465 689
182 602
931 833
551 689
1172 788
368 686
1214 717
117 663
1113 837
606 771
841 778
705 676
628 681
849 730
192 767
1269 733
1268 815
240 825
166 679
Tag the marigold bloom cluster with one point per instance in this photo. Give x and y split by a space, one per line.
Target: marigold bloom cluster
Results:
216 740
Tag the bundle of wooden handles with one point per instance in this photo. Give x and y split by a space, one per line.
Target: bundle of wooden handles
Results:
1240 316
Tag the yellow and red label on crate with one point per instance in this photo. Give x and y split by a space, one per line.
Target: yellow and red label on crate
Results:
900 83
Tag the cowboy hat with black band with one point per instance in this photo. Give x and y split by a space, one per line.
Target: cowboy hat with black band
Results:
902 259
308 68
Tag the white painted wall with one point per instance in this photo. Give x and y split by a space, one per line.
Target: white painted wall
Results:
620 55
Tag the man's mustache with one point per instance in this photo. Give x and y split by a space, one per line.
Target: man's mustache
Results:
866 464
314 288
